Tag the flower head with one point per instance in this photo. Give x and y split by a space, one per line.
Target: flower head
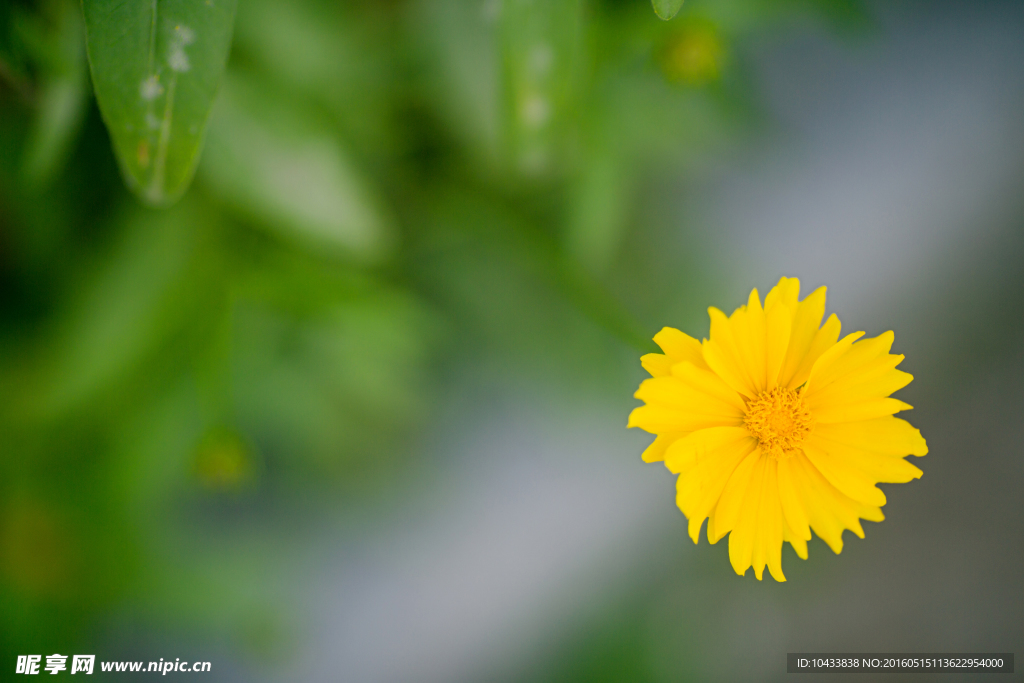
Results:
776 426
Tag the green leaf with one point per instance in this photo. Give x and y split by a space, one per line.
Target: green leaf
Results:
141 294
598 211
156 68
666 9
541 49
462 44
343 64
279 164
62 94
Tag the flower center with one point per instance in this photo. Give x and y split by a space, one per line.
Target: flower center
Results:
778 419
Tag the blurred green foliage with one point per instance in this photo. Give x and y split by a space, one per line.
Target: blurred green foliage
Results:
387 188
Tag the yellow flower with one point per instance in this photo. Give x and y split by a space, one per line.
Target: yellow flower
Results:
776 426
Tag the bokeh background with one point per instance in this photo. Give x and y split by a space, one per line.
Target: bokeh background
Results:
354 408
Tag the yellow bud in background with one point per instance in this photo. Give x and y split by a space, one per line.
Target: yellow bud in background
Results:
224 461
695 54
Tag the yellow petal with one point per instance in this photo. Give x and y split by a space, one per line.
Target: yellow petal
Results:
656 451
792 509
671 392
875 466
844 362
687 499
779 326
731 334
722 364
823 340
786 292
888 435
813 492
703 446
848 479
709 383
870 513
708 479
799 544
830 356
705 459
657 364
864 410
659 420
770 524
758 555
680 346
870 372
837 394
828 509
749 327
730 502
742 536
806 318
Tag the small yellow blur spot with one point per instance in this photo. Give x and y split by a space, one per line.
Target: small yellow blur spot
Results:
223 461
695 54
142 154
37 549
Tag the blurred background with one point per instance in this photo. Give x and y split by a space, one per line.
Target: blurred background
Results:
354 408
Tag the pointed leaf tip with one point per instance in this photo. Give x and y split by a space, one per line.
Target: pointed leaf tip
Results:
156 68
666 9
